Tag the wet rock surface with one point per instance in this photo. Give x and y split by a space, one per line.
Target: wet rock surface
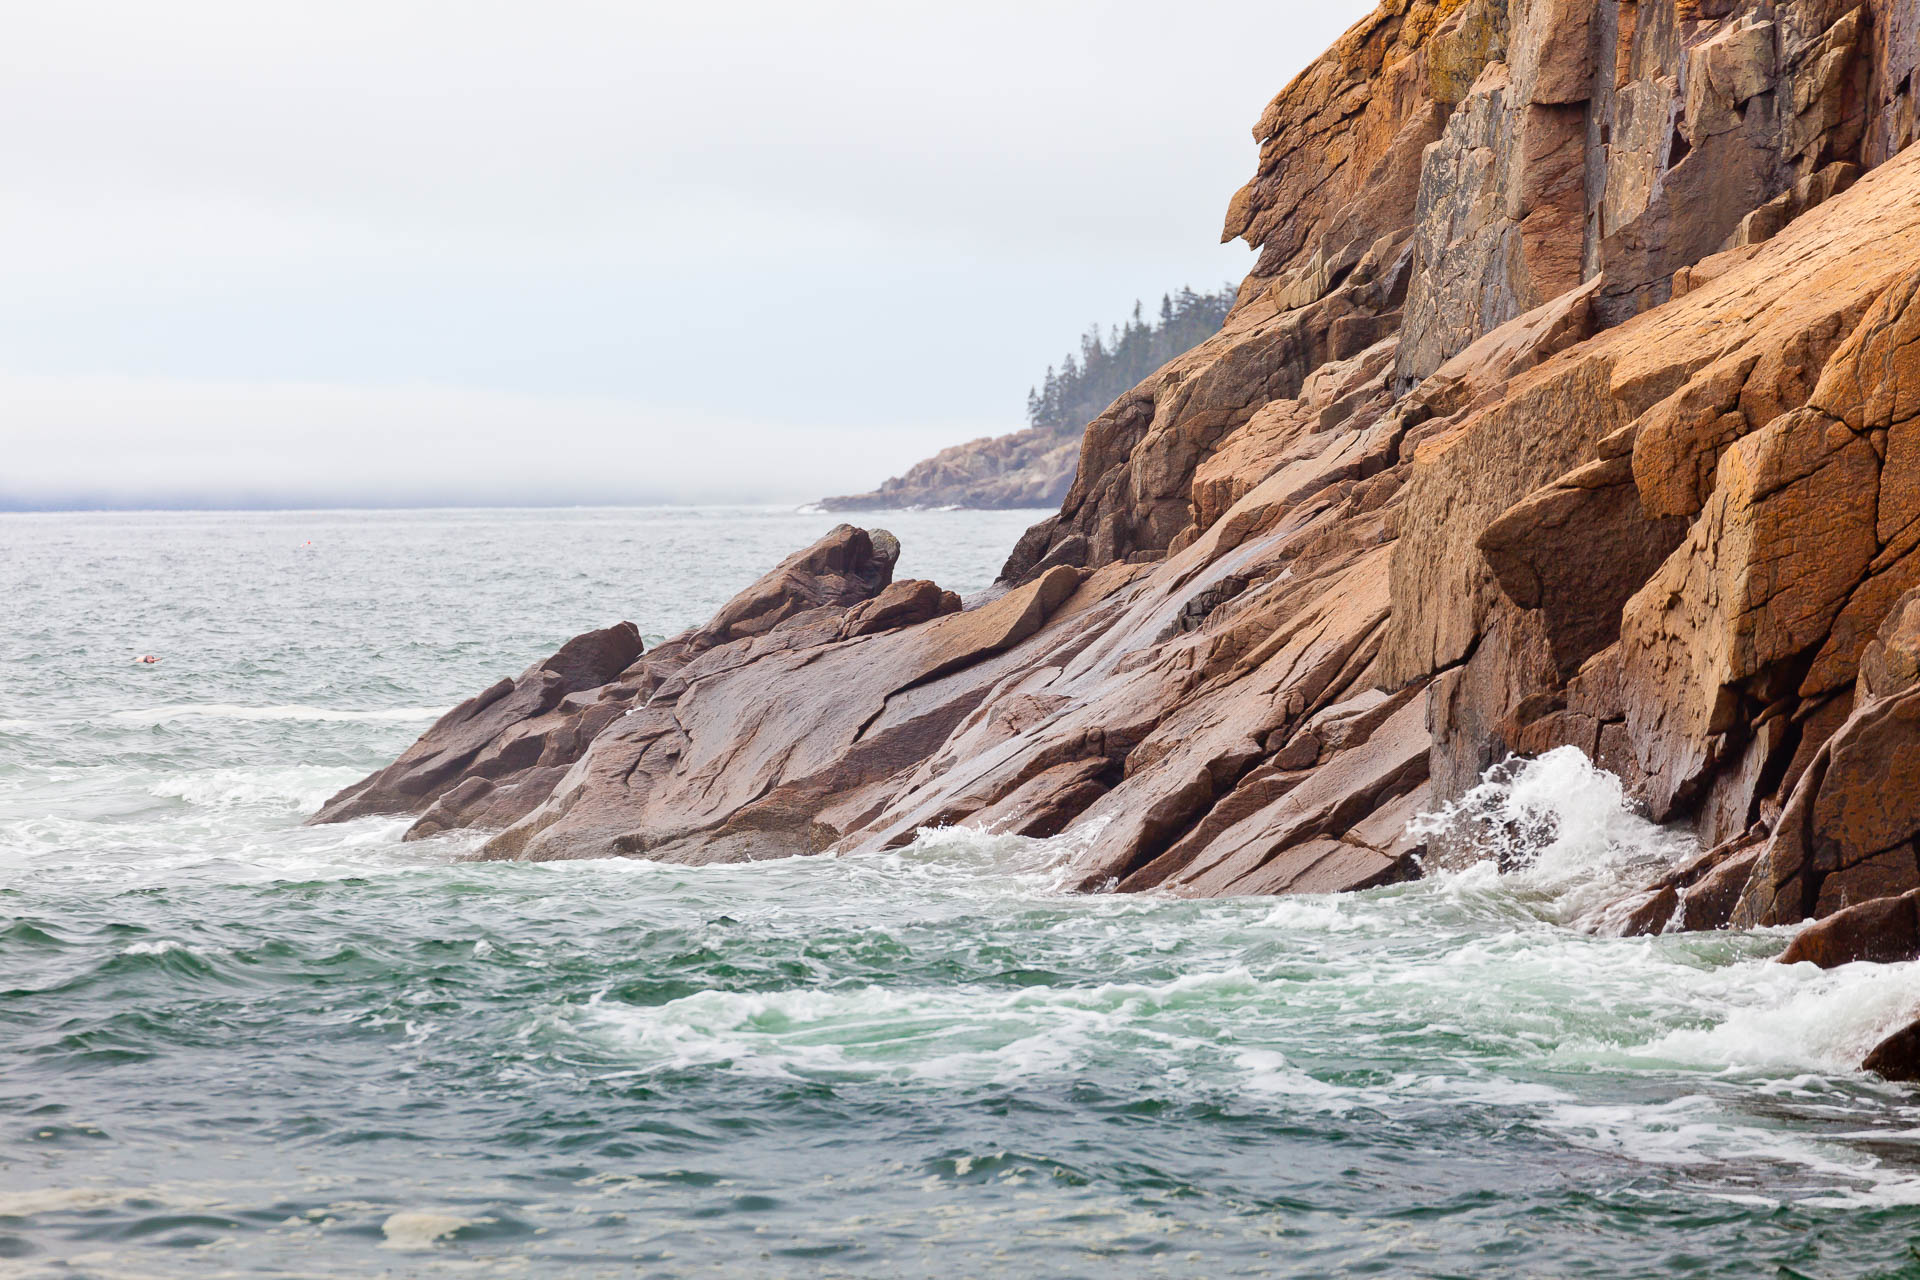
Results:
1883 931
1898 1056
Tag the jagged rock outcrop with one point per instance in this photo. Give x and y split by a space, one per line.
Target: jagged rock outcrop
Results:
1848 831
780 743
1031 468
1573 400
497 756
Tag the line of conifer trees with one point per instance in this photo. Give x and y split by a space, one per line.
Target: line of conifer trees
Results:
1107 364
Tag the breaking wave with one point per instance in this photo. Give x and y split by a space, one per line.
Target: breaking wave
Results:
1557 826
300 790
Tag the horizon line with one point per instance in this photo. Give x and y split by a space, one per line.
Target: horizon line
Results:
240 508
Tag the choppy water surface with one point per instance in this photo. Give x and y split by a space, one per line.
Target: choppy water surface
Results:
230 1045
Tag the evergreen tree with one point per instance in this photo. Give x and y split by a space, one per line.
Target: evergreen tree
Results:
1108 364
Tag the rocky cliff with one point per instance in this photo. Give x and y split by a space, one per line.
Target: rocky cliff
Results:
1573 400
1031 468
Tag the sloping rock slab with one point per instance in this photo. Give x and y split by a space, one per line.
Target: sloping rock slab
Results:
495 757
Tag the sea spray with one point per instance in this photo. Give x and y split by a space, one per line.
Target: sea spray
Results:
1559 827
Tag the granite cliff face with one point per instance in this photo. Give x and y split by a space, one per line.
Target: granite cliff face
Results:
1574 400
1031 468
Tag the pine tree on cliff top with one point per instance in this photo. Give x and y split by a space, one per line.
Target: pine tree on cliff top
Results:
1108 364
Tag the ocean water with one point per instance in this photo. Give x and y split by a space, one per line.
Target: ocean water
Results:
231 1045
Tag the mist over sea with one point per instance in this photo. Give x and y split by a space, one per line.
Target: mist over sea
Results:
234 1045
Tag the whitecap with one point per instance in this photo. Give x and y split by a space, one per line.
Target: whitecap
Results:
1268 1071
293 788
1315 913
1696 1133
423 1230
170 946
153 947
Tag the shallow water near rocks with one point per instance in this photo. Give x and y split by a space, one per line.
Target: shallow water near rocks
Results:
233 1045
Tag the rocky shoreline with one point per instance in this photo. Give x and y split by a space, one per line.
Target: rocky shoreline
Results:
1574 400
1031 468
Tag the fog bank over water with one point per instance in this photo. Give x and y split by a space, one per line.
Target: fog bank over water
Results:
131 442
830 237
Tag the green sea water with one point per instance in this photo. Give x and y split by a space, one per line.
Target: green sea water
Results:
231 1045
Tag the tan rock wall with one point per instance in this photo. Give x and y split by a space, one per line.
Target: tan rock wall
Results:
1448 167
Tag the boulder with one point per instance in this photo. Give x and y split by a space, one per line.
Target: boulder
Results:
1898 1056
1883 931
1699 895
1850 830
902 604
846 567
1847 833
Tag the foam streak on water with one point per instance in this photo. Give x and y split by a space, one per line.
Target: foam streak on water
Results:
233 1044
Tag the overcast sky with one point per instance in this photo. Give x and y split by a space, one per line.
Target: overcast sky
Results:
264 251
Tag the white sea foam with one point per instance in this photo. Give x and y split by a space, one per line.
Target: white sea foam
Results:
1007 854
1562 842
1688 1130
152 947
214 843
21 1204
1798 1018
290 711
423 1230
170 946
1324 914
1557 826
939 1035
297 788
1717 1149
1269 1072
